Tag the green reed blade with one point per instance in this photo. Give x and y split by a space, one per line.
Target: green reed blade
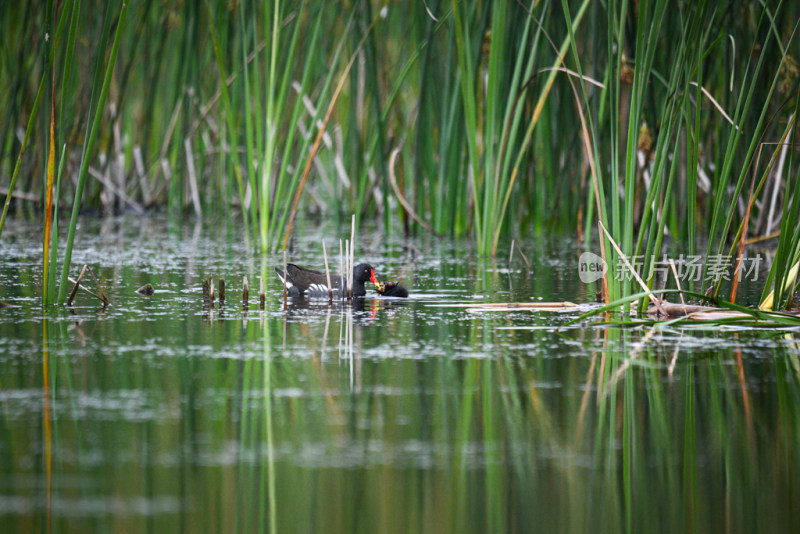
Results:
88 150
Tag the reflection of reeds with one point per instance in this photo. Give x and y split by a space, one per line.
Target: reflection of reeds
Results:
262 294
455 442
47 417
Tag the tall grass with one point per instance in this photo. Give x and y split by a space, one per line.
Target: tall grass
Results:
508 118
782 278
91 138
648 176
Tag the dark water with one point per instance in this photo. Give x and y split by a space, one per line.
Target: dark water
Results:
156 414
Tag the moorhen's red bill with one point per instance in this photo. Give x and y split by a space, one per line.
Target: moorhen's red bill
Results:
302 282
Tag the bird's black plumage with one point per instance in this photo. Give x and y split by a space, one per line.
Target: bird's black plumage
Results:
302 282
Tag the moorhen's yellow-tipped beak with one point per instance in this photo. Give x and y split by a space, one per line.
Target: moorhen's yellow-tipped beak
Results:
373 279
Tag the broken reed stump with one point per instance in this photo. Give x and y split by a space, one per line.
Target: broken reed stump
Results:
208 291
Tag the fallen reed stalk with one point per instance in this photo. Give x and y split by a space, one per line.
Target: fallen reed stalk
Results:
510 306
101 296
99 287
677 280
77 283
632 270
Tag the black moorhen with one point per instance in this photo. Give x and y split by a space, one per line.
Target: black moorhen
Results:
301 282
392 289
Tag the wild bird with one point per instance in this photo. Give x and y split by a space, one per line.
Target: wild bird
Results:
392 289
302 282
